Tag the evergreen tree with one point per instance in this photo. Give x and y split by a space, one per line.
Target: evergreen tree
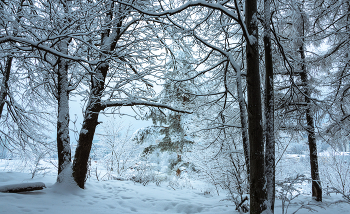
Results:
168 126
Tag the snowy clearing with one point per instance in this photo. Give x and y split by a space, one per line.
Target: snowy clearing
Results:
115 196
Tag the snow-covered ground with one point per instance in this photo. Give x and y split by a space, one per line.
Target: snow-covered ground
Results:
115 196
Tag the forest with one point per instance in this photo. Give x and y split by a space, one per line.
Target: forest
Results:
251 97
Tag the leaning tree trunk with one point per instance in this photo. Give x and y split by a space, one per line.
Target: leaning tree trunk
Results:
90 122
4 84
269 110
256 142
93 108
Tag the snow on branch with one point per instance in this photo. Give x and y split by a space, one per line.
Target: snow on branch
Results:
106 104
23 187
44 48
184 7
215 6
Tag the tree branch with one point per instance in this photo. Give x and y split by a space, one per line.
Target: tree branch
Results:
106 104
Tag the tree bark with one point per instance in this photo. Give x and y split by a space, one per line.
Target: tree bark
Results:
315 176
269 110
4 84
244 123
90 122
245 138
93 108
258 195
63 140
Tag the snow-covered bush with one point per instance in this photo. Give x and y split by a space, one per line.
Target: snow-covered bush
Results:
116 152
335 171
222 164
289 189
144 174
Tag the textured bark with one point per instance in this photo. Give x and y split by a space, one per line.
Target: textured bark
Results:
90 122
4 84
245 138
315 176
93 108
269 110
244 122
63 140
258 195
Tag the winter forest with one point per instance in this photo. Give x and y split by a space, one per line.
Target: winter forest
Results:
246 106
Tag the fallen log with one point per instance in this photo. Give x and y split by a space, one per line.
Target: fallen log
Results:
23 187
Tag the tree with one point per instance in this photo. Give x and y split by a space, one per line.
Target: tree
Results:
269 108
23 119
76 40
250 33
315 175
300 100
332 24
116 150
256 141
62 96
168 126
126 56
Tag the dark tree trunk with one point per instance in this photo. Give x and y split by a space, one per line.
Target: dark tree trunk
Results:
93 108
63 140
4 84
257 172
269 110
315 176
90 122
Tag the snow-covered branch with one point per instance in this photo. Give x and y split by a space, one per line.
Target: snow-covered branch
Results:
215 6
105 104
45 48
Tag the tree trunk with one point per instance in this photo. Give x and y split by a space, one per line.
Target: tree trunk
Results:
93 108
87 132
257 172
245 137
315 176
244 123
63 140
269 110
4 84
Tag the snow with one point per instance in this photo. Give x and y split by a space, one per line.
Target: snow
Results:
117 196
107 197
